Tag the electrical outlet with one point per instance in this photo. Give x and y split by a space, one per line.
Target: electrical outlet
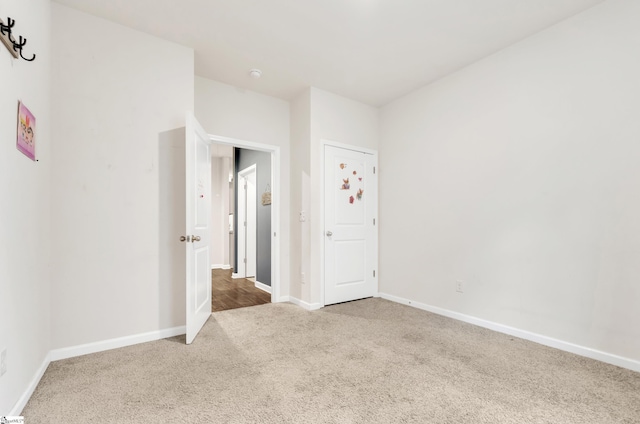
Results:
303 216
302 278
3 362
459 286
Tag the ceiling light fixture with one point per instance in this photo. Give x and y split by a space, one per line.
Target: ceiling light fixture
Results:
255 73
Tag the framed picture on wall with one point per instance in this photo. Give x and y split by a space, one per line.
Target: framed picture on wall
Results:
26 140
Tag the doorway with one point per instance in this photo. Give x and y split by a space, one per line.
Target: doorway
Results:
250 174
172 219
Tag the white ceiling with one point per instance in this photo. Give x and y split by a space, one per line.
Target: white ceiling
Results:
373 51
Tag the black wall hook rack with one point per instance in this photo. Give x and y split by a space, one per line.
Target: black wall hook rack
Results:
14 47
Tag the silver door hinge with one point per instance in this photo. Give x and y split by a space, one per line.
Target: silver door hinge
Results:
374 221
374 272
374 169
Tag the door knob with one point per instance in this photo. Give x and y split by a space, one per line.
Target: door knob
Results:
329 233
191 239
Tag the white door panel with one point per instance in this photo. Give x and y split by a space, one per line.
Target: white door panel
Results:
198 227
350 259
350 232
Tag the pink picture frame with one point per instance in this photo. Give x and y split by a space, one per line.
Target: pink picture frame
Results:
26 139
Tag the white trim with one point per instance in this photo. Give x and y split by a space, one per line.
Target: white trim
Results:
235 275
244 144
70 352
276 288
22 402
283 299
263 287
220 266
85 349
303 304
587 352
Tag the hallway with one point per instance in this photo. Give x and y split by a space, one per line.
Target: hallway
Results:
228 293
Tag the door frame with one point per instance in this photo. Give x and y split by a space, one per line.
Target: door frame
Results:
252 169
323 144
276 287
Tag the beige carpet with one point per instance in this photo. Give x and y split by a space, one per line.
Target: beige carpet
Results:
370 361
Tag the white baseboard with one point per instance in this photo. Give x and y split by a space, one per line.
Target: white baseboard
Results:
235 275
85 349
70 352
263 287
305 305
16 411
523 334
220 266
282 299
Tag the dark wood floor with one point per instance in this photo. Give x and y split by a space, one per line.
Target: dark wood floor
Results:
229 293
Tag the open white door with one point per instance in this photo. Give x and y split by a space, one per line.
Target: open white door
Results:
247 223
252 221
198 228
350 246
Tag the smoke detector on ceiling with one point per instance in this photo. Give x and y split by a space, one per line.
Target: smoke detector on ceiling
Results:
255 73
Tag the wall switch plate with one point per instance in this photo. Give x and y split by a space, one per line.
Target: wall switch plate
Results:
3 362
459 286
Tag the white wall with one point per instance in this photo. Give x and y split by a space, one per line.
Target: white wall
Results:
24 204
342 120
300 170
220 211
519 176
228 111
114 91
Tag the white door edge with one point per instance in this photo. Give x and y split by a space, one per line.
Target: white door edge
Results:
198 251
